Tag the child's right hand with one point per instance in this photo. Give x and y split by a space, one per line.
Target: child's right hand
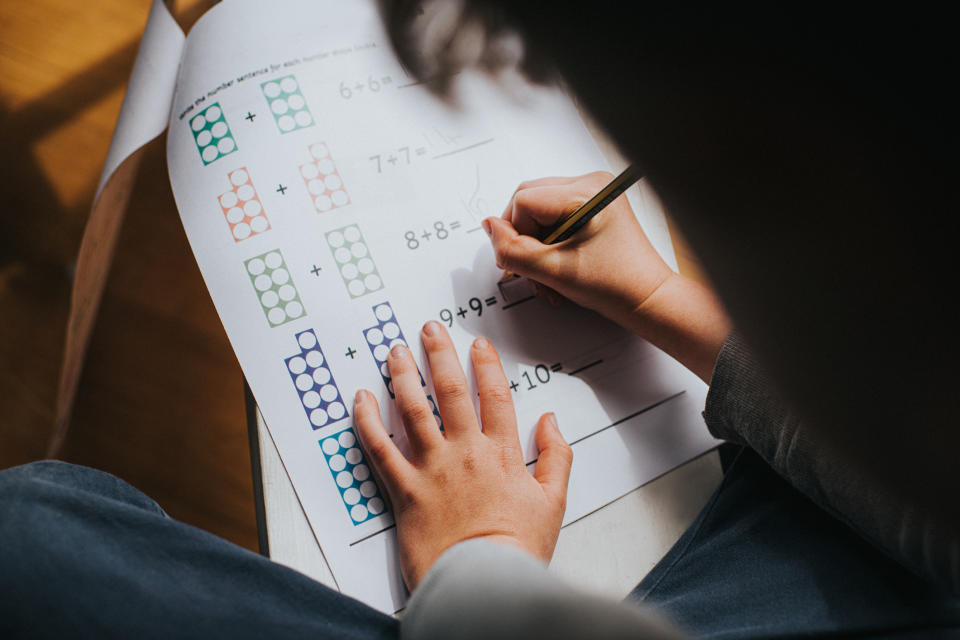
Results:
608 266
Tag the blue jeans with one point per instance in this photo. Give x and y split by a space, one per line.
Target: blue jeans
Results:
84 553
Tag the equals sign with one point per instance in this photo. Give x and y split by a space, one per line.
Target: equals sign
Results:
491 301
386 80
555 367
455 224
420 151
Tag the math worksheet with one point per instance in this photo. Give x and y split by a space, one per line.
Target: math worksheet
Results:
334 206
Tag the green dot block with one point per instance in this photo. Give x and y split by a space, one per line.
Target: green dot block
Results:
274 286
287 104
212 134
354 262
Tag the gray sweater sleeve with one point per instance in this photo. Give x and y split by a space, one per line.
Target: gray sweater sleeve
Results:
742 407
482 590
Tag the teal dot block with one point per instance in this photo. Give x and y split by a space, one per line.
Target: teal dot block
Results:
274 287
212 134
356 266
287 104
359 492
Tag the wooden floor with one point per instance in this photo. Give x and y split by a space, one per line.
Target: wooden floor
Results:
160 403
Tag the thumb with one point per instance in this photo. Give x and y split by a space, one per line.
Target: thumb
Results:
556 456
524 255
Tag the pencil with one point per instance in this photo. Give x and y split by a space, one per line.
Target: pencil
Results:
576 220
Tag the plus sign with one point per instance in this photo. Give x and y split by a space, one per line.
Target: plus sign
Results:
350 353
250 116
358 87
316 270
425 235
513 386
392 159
461 312
282 190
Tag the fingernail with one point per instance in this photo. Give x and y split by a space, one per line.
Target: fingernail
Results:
359 397
552 419
481 343
398 351
486 226
431 328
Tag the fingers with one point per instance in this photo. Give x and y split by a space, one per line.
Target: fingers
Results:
521 254
387 461
415 411
556 457
453 394
497 416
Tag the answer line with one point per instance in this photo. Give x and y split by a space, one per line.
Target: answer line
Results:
585 367
467 148
520 301
474 229
410 84
375 533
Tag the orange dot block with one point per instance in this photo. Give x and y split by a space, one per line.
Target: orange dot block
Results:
242 208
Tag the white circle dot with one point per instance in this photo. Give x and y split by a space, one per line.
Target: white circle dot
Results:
338 462
328 392
368 489
303 118
269 299
326 166
226 145
274 260
336 410
316 186
235 215
294 309
314 359
241 231
323 203
358 513
262 282
276 316
213 113
342 255
219 129
296 101
332 181
318 417
351 496
255 266
330 446
245 192
383 312
271 89
390 387
288 84
358 249
252 208
352 234
346 439
372 282
319 150
307 340
353 455
259 224
391 330
280 276
239 177
311 399
279 106
210 153
204 138
396 342
321 375
361 472
309 171
365 265
356 288
228 199
304 382
375 506
297 365
339 197
287 292
198 122
286 123
344 479
385 370
349 271
374 336
335 239
381 352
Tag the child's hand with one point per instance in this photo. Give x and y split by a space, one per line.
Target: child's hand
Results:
468 481
608 266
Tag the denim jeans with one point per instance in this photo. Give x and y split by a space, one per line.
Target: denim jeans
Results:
83 553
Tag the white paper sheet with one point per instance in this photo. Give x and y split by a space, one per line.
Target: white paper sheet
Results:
413 177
